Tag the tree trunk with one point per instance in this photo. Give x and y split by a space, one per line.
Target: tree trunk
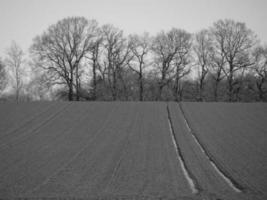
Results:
141 88
230 84
216 90
114 86
230 90
201 87
176 89
71 86
141 98
202 83
17 85
124 85
17 95
77 85
160 91
261 95
260 90
70 93
177 94
180 92
161 83
94 80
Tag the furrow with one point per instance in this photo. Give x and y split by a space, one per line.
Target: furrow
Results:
25 123
227 178
194 186
23 136
125 149
74 156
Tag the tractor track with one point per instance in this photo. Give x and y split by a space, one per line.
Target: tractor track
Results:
192 181
237 187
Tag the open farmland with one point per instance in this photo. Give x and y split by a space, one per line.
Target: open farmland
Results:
133 150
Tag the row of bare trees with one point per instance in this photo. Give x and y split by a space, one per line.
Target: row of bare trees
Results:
79 59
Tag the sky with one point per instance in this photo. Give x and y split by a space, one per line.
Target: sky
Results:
22 20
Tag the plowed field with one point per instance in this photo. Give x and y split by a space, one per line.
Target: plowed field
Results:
133 150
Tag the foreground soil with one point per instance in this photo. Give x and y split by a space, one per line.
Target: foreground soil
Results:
132 150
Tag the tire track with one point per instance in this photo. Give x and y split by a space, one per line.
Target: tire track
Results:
192 181
237 187
27 134
56 137
112 158
125 152
28 193
26 122
18 162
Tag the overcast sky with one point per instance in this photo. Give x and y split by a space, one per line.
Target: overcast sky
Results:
22 20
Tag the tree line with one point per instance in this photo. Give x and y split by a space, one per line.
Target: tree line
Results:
76 59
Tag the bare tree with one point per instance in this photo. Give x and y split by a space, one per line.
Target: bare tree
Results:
204 52
63 47
117 56
216 71
259 69
181 60
165 46
39 87
3 76
14 60
95 64
140 46
121 67
235 41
